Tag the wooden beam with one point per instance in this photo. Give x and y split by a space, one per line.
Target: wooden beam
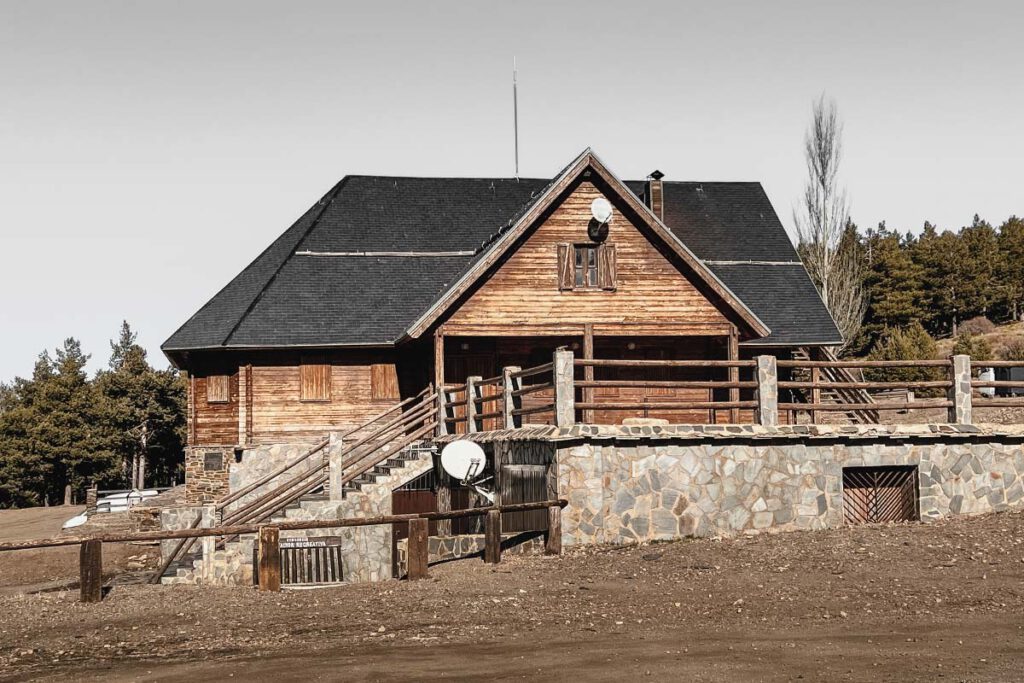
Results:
418 549
443 496
269 553
90 569
588 370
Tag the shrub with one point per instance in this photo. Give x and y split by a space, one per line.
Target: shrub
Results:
977 325
1014 350
978 348
908 343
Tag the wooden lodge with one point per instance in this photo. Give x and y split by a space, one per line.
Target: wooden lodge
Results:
388 286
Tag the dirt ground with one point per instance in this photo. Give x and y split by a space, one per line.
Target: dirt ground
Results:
55 568
905 602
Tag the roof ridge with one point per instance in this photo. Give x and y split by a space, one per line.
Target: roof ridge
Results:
329 197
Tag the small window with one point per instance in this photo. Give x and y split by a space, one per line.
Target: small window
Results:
314 379
218 389
383 382
586 266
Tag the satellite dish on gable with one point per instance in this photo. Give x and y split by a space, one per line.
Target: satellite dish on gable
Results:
601 210
465 461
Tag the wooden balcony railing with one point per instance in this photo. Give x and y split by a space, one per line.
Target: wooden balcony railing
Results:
726 390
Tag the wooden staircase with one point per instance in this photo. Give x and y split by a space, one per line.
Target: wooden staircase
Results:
369 451
838 395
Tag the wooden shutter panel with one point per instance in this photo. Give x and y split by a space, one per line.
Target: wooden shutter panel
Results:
566 274
218 389
314 379
606 266
383 382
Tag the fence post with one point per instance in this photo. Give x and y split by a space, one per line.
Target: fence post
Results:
510 402
471 406
269 558
91 496
417 552
492 537
767 391
90 570
565 399
960 391
553 538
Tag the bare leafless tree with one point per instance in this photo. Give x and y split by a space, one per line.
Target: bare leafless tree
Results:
829 250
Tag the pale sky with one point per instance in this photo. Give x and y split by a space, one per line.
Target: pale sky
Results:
149 151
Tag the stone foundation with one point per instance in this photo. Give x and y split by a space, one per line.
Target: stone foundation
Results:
627 489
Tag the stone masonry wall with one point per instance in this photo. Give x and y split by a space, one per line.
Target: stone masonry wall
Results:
206 474
624 489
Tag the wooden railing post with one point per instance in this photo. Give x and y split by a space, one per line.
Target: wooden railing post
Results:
492 537
90 570
565 399
553 538
815 393
510 402
269 555
442 411
472 410
960 390
767 391
417 549
91 496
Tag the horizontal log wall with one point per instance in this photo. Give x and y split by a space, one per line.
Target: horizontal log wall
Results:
525 288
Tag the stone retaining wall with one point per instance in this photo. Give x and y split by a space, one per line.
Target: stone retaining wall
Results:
627 489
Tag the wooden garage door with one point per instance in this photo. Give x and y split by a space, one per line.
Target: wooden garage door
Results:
880 494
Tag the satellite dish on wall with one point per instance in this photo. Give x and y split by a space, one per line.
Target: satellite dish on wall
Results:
465 462
601 210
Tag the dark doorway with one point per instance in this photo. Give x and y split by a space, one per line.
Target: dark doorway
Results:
880 494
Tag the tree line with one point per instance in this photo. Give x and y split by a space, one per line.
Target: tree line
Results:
892 293
62 427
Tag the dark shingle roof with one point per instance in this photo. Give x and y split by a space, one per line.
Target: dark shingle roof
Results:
784 297
285 298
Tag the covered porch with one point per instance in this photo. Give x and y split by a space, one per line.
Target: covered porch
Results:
682 373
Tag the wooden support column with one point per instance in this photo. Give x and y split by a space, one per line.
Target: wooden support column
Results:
243 404
492 537
90 570
734 374
269 554
472 409
442 394
418 549
588 371
510 402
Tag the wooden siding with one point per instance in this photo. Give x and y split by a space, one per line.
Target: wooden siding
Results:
215 423
525 288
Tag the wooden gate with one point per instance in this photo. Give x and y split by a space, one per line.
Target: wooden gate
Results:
309 560
880 494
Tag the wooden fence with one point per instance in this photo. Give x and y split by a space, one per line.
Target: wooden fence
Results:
763 391
269 547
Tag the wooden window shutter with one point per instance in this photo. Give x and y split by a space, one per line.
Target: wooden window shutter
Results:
606 266
383 382
218 389
314 379
566 274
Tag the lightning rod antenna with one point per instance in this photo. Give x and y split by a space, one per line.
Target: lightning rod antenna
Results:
515 113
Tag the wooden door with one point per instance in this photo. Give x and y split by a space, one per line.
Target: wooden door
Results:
459 366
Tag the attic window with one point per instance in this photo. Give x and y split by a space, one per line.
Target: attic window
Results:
586 267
